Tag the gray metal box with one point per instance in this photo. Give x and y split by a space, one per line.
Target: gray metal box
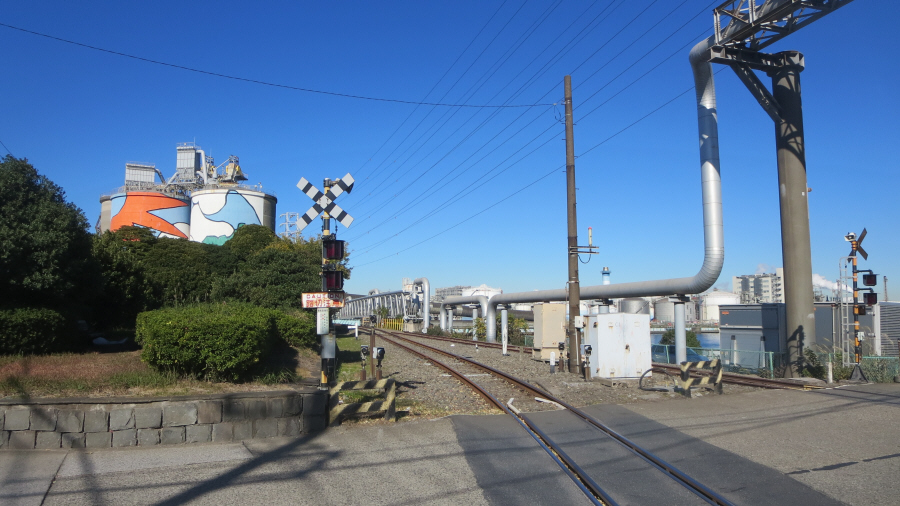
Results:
549 330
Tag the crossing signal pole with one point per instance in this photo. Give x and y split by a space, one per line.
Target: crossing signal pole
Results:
869 299
332 294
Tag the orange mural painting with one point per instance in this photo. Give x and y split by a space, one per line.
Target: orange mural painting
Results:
156 211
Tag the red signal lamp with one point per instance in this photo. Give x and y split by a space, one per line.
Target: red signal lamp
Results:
870 279
332 249
332 281
870 298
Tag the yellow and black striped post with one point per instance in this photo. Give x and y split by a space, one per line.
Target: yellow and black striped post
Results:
713 381
338 411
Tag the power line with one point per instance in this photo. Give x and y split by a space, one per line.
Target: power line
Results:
7 149
587 29
266 83
539 179
456 197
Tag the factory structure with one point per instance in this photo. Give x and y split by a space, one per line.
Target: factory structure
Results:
201 201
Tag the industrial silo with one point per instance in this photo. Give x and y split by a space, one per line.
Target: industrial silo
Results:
712 300
217 212
166 215
634 305
664 310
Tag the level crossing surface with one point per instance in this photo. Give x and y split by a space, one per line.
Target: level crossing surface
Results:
767 447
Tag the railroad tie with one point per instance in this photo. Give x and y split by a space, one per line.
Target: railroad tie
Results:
338 411
713 381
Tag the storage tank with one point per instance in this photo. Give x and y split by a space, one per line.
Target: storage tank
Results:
634 305
166 215
711 301
664 310
217 212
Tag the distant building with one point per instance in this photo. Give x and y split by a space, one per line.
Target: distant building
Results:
759 288
466 291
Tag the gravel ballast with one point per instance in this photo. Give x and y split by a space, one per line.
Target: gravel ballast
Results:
425 390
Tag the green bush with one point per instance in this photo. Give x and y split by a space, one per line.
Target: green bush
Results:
213 341
32 330
298 328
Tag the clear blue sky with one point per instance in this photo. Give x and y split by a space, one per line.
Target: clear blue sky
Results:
79 115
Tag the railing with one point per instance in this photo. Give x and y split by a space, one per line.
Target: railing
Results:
392 323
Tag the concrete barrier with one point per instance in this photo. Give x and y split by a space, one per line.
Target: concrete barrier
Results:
112 422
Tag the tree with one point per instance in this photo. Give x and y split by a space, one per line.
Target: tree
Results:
480 329
274 277
249 240
45 258
125 288
515 330
668 337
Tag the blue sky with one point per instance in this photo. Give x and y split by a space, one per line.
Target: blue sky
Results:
466 195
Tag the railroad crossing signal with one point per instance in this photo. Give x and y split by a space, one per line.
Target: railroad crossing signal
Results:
856 245
324 202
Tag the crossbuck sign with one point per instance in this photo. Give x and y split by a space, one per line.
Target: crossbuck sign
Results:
324 202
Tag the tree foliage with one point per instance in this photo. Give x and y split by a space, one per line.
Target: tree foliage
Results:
45 259
668 337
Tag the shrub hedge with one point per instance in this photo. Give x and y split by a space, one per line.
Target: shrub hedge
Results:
217 341
298 328
32 330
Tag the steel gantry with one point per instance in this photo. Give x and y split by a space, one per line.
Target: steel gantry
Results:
742 29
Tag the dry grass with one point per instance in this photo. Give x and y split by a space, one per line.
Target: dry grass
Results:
121 373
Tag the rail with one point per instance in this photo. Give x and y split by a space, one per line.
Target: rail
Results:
670 470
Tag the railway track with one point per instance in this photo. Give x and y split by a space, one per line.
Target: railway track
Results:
659 480
740 379
728 378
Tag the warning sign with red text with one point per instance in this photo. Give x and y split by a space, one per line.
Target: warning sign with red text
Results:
323 299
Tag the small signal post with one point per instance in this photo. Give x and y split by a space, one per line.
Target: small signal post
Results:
332 294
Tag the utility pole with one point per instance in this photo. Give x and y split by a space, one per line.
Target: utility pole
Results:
574 330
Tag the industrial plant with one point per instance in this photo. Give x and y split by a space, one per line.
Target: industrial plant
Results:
201 201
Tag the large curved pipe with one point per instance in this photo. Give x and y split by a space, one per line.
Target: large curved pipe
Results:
426 309
473 299
713 237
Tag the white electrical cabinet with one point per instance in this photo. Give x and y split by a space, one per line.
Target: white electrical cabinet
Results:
549 330
620 345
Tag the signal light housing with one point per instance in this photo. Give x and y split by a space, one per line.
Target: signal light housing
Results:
870 279
332 281
870 298
332 249
861 310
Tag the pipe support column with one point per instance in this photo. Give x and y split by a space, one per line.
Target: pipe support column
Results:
792 192
680 334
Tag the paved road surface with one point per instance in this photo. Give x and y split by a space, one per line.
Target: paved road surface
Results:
766 447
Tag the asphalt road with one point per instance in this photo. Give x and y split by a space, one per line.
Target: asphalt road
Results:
767 447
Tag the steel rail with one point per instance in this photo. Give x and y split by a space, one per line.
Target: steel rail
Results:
588 486
469 342
738 379
691 484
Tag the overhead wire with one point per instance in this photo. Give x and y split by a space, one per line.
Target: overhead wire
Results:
470 93
539 179
578 37
593 24
593 110
267 83
438 82
7 149
453 198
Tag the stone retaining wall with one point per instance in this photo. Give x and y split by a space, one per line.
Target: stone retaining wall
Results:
92 423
